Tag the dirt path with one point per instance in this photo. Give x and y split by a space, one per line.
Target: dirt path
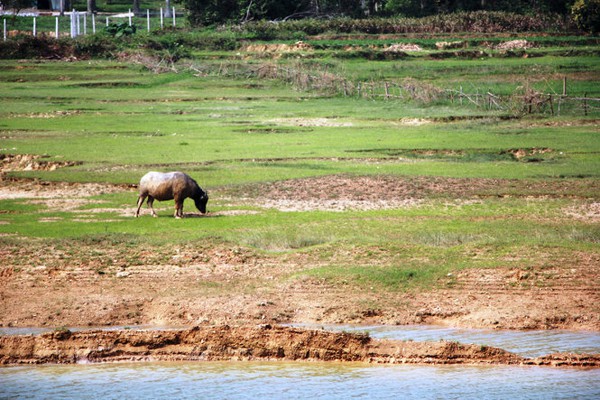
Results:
220 343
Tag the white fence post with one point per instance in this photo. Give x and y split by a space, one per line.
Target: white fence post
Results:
106 21
148 19
85 23
56 28
129 15
93 23
173 16
34 26
73 24
78 23
161 19
4 30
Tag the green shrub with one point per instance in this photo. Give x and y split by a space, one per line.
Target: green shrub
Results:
36 47
122 29
98 46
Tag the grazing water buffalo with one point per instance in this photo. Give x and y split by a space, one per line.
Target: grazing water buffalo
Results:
170 185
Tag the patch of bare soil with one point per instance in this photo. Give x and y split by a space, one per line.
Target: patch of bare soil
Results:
343 192
54 192
310 122
457 44
400 47
263 342
277 48
514 45
28 162
589 212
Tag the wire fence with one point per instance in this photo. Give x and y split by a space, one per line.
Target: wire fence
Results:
303 78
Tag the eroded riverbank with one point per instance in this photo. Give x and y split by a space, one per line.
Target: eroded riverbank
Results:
258 343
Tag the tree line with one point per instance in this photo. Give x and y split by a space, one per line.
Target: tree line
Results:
585 13
210 12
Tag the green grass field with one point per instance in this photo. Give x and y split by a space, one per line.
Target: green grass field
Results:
238 134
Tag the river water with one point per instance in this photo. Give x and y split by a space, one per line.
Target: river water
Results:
303 380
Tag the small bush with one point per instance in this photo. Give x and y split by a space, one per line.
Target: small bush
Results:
122 29
36 47
98 46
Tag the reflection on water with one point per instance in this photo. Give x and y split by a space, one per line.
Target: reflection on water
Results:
274 380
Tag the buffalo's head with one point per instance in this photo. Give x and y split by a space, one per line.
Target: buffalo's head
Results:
201 201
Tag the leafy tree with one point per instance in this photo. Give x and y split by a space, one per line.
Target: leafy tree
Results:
417 8
209 12
586 14
272 9
17 5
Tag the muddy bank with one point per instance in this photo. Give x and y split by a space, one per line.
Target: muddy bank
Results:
265 342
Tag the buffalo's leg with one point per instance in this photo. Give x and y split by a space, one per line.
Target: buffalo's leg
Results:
178 209
139 204
150 203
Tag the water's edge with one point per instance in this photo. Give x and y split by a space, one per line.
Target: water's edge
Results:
263 343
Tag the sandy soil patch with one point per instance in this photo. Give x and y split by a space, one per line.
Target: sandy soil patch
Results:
35 189
337 205
277 48
413 122
400 47
514 45
589 212
28 162
328 122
